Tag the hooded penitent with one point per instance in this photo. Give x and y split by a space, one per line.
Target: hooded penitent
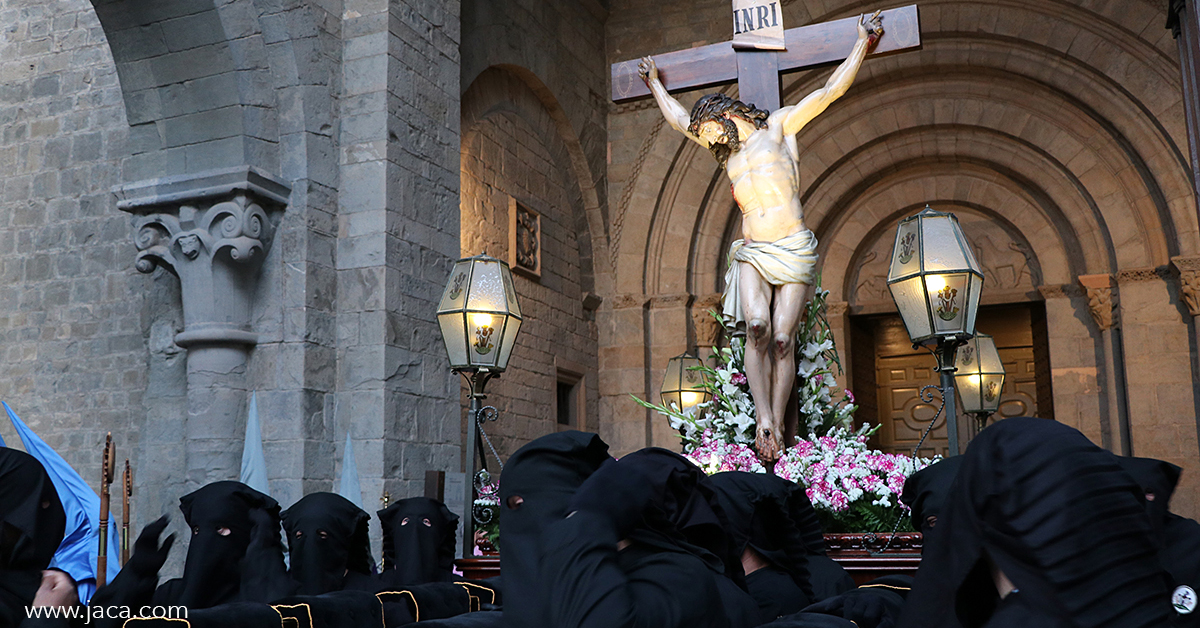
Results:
774 518
418 542
222 518
678 569
328 541
1056 515
925 492
1178 537
31 528
535 489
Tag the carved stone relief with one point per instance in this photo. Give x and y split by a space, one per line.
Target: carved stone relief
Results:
1102 301
1189 282
525 239
708 328
1008 263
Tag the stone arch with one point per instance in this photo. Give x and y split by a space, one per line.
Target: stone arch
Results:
518 93
511 148
197 82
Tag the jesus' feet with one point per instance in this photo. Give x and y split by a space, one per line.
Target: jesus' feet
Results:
767 444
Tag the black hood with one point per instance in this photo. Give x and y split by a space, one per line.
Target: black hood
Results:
418 541
32 523
1059 517
925 491
543 475
1158 479
327 535
212 574
775 517
687 516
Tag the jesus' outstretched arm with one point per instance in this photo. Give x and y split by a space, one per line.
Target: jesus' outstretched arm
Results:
676 115
795 117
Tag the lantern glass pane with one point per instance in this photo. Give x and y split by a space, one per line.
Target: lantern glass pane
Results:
989 357
947 296
941 245
671 379
510 292
967 360
487 288
455 294
508 342
969 387
992 389
671 400
968 250
453 335
972 303
484 335
689 399
910 300
906 252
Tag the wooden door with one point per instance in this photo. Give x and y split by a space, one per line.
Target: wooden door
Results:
901 372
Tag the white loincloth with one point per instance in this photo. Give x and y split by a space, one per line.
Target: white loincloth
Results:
787 260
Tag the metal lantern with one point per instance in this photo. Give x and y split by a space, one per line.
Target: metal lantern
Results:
480 318
934 278
479 315
683 388
980 376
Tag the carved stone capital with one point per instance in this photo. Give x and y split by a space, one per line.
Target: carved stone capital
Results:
836 309
708 328
212 230
1102 300
1189 282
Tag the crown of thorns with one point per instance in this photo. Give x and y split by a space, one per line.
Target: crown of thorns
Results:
715 106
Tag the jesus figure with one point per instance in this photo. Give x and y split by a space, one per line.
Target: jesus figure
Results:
771 268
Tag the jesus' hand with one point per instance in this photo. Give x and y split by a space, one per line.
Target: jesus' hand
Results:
871 27
648 70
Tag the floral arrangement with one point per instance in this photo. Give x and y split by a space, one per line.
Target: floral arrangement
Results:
853 488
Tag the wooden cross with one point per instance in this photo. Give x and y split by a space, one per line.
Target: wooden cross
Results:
757 72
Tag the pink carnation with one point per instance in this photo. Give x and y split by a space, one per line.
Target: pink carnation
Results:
738 379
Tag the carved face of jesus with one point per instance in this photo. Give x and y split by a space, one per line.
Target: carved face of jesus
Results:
713 132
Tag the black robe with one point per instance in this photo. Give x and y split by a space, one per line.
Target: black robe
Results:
419 535
774 518
330 549
680 568
1178 537
245 565
925 492
1063 522
536 488
32 523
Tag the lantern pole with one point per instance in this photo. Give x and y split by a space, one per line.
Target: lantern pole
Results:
477 379
947 348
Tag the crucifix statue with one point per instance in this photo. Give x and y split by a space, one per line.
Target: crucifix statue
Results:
772 267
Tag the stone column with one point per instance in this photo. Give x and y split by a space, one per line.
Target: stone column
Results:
211 230
1183 18
1102 305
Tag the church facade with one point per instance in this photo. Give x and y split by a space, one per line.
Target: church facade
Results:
202 200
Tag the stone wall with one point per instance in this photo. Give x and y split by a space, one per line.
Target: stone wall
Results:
73 358
505 160
534 110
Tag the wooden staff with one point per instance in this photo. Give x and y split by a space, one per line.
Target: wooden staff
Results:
386 500
125 514
106 478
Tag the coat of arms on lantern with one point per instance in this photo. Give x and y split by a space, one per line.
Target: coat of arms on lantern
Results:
524 239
